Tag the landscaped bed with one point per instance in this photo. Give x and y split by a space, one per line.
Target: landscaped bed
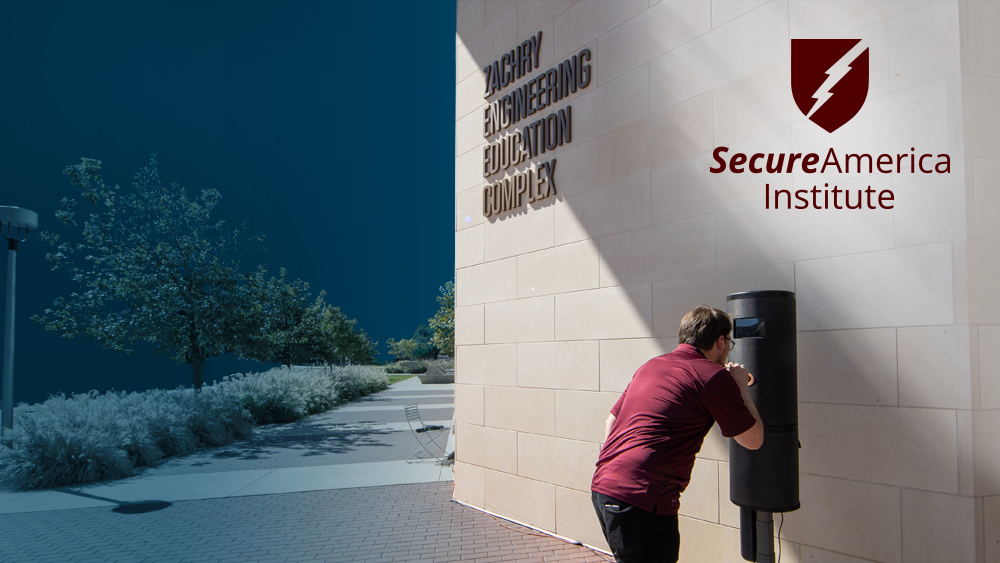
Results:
91 437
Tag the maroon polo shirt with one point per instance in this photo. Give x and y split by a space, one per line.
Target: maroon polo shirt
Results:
661 420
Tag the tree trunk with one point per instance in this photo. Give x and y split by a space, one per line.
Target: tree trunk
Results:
197 362
196 356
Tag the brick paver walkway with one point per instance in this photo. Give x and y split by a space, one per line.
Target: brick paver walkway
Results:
411 523
373 524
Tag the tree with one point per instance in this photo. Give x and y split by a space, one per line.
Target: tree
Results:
155 268
324 334
275 331
403 349
436 337
422 337
288 329
443 323
417 346
348 342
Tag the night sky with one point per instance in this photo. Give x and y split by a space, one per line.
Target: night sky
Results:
326 126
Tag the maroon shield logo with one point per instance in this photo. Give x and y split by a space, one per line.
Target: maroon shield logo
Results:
829 79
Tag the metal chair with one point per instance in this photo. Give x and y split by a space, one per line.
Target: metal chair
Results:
427 435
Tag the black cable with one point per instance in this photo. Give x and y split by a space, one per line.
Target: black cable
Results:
597 553
500 522
780 524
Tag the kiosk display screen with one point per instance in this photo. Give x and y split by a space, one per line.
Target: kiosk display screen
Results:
748 327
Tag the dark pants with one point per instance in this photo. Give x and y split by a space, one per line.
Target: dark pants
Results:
637 536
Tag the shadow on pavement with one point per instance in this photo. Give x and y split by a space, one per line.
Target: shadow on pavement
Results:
138 507
317 442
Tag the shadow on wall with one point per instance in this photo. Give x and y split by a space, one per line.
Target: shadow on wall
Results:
634 184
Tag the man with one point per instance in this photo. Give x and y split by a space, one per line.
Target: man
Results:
655 430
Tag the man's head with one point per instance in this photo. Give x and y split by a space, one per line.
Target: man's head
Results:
703 327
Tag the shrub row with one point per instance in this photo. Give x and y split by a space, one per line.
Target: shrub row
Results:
407 366
91 436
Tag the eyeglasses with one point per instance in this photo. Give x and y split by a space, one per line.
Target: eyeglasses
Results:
732 343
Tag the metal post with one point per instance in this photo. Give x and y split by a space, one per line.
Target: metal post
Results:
765 537
7 402
748 533
15 224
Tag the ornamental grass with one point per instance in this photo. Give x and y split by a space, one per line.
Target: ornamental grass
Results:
88 437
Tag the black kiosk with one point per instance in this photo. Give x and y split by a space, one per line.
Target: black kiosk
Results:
766 480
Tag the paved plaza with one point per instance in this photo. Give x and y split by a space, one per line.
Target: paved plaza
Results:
334 487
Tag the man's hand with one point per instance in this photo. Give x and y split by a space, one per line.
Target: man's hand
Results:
753 438
743 377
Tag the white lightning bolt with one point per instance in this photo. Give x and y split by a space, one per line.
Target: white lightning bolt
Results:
834 74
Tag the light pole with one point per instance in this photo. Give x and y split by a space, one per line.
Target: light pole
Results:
15 224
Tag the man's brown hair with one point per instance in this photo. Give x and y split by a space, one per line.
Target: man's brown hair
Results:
703 326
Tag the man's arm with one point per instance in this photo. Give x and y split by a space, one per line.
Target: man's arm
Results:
610 423
753 438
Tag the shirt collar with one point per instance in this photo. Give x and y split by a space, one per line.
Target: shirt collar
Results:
690 349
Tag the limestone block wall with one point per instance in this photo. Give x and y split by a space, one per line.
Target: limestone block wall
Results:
559 301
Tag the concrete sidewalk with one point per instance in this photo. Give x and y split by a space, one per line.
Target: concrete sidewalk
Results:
334 487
